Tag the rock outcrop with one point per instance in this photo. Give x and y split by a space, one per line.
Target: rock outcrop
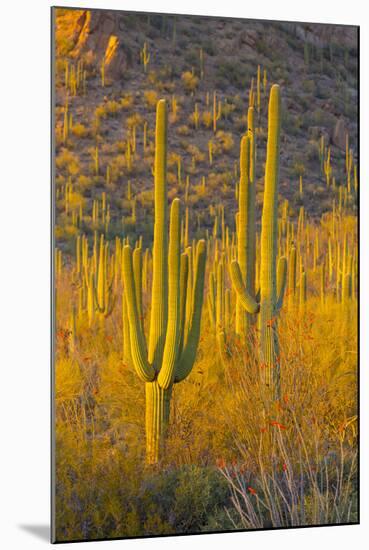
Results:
96 35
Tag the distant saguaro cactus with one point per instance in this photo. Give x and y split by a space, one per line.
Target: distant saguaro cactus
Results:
174 326
145 57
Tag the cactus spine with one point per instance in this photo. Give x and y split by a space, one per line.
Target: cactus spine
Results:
174 326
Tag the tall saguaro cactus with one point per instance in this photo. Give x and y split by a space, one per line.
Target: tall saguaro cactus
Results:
174 326
246 221
243 240
272 280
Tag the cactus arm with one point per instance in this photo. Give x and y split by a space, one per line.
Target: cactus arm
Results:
188 355
247 302
138 346
166 374
281 281
189 297
243 200
137 273
183 296
159 296
109 299
251 203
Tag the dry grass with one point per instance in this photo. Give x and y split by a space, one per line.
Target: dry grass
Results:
290 463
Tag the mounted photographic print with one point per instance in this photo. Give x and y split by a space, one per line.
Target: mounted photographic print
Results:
205 271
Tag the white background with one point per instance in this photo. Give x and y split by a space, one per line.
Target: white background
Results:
24 270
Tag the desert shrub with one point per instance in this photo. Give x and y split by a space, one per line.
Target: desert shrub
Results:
183 130
112 108
308 86
108 109
231 73
298 168
225 141
84 182
190 81
67 162
195 152
312 152
319 117
207 119
79 130
188 497
227 108
151 98
126 101
134 120
289 122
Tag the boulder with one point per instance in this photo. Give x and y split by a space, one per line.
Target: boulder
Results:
96 35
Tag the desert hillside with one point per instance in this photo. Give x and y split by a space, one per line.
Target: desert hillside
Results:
190 59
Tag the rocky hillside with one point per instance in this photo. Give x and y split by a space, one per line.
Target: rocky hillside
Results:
110 69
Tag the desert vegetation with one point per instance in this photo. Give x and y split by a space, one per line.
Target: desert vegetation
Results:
206 274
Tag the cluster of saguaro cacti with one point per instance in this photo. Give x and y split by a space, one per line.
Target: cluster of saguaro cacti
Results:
176 305
95 277
272 282
246 269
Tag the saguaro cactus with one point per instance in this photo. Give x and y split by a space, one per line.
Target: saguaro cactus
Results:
243 232
99 282
104 299
246 221
174 326
272 280
145 57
